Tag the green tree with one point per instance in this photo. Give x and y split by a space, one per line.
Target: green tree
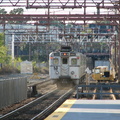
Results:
17 11
3 11
1 39
3 54
3 49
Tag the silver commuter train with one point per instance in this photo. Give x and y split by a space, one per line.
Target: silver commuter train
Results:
66 66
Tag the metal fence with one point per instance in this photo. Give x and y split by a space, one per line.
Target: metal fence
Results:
12 91
100 87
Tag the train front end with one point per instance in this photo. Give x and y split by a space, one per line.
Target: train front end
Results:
64 66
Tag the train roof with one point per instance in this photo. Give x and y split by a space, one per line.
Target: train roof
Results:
65 49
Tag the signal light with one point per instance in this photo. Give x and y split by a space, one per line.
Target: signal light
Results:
51 57
64 53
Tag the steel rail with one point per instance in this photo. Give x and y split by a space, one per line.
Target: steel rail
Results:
94 96
40 82
58 101
101 90
25 106
112 95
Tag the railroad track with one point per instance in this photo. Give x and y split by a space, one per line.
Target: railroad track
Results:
106 93
98 91
40 107
41 89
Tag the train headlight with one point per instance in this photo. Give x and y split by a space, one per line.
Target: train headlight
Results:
72 72
57 72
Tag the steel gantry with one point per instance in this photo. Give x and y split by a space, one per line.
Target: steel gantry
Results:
61 17
67 11
58 4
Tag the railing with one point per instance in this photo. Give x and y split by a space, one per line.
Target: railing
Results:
100 87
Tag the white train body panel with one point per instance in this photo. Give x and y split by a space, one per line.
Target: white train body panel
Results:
66 65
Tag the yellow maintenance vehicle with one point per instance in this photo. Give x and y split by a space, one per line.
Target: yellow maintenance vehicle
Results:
102 74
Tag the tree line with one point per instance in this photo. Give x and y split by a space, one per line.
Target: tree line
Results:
14 11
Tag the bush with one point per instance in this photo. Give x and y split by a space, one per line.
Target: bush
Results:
43 70
11 66
8 70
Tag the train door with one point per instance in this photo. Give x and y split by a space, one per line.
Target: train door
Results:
64 66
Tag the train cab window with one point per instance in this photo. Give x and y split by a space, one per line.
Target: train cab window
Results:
55 61
73 61
64 61
97 71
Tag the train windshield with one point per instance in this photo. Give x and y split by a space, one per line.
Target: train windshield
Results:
97 71
73 61
55 61
64 61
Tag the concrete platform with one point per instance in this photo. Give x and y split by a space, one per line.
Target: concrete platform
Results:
87 110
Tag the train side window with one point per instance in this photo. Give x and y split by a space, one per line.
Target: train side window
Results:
64 60
73 61
55 61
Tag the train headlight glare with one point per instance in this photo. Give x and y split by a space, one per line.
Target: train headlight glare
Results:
57 72
72 72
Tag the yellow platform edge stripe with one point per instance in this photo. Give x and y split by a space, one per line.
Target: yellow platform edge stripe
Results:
61 111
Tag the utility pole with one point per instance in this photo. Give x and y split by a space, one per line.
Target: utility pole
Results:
119 44
119 51
12 46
